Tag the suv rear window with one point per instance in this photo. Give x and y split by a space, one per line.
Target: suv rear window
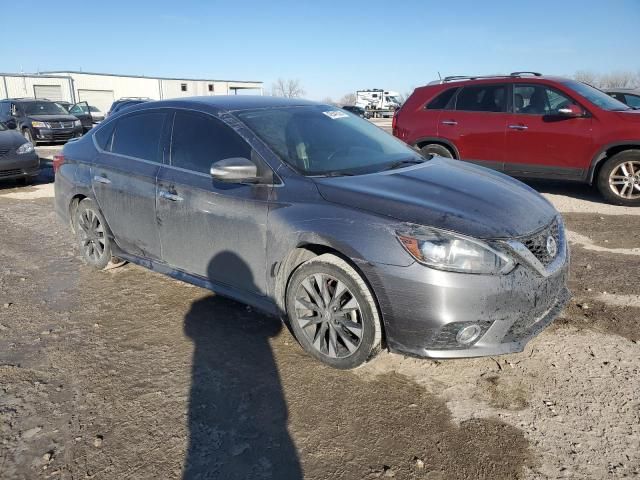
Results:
139 135
482 98
444 101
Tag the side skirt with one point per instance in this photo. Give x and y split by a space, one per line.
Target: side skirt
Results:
264 304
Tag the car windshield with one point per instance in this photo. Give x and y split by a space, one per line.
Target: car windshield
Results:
93 109
320 140
44 108
597 97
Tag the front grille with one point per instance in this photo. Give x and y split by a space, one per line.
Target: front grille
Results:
4 151
526 327
537 243
62 136
10 173
58 125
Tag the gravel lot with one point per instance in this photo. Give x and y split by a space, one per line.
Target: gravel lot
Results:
129 374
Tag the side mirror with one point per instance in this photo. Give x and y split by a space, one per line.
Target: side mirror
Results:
571 111
235 170
11 124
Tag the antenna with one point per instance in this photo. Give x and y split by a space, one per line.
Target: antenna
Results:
439 76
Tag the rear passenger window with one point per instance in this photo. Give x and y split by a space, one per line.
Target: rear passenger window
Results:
199 140
444 101
482 98
104 135
139 135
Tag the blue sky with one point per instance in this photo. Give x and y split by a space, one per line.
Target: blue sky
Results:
330 46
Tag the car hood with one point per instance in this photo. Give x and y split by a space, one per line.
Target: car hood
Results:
447 194
52 118
630 115
11 139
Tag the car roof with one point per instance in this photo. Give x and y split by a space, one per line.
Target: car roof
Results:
226 103
623 90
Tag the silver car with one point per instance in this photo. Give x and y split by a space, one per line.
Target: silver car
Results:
308 212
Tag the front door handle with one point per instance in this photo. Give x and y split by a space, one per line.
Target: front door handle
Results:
101 179
518 127
449 122
170 196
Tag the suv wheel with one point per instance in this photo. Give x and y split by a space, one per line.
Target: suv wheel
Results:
91 232
619 178
433 149
28 135
332 312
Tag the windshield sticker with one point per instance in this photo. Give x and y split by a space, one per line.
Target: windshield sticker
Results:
335 114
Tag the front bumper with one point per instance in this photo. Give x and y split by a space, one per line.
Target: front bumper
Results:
56 134
423 309
19 166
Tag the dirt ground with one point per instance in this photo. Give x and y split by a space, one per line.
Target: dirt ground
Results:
128 374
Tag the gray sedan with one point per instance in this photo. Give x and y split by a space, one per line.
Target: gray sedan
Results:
306 211
18 159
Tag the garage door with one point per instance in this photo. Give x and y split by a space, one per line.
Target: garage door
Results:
97 98
52 92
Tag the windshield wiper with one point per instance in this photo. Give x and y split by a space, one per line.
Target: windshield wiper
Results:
402 163
338 174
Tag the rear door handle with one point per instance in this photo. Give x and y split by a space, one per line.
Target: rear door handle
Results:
449 122
518 127
170 196
101 179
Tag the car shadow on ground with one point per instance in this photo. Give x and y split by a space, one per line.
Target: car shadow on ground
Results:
237 415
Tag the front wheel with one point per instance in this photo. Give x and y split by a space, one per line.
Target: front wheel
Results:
619 179
332 312
28 136
91 232
434 149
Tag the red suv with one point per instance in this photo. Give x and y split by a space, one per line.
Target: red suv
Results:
529 125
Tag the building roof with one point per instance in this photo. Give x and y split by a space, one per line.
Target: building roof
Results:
75 72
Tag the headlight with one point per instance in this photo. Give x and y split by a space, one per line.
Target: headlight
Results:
40 124
25 148
456 253
76 123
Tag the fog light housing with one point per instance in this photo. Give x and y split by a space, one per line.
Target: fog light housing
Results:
468 334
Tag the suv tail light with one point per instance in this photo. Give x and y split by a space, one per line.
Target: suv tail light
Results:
58 160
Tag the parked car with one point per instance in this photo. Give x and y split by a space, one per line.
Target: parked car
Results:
125 103
18 158
529 125
628 96
88 115
39 120
305 211
361 112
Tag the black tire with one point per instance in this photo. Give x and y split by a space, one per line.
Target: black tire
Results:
92 234
26 133
337 333
613 170
433 149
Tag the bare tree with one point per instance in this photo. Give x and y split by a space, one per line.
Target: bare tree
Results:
348 99
290 88
329 101
609 80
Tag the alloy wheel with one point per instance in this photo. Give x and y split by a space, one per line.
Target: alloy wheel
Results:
624 180
92 235
329 315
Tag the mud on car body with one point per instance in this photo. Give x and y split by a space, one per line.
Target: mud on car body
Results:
306 211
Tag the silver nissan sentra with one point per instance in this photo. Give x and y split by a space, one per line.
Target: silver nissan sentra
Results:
306 211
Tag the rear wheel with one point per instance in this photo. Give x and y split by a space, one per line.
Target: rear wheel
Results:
435 149
619 178
91 232
332 312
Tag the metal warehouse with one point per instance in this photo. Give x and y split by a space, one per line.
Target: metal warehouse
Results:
101 89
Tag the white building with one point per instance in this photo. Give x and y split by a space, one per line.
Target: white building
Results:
101 89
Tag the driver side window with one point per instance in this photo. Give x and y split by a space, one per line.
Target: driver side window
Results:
538 100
